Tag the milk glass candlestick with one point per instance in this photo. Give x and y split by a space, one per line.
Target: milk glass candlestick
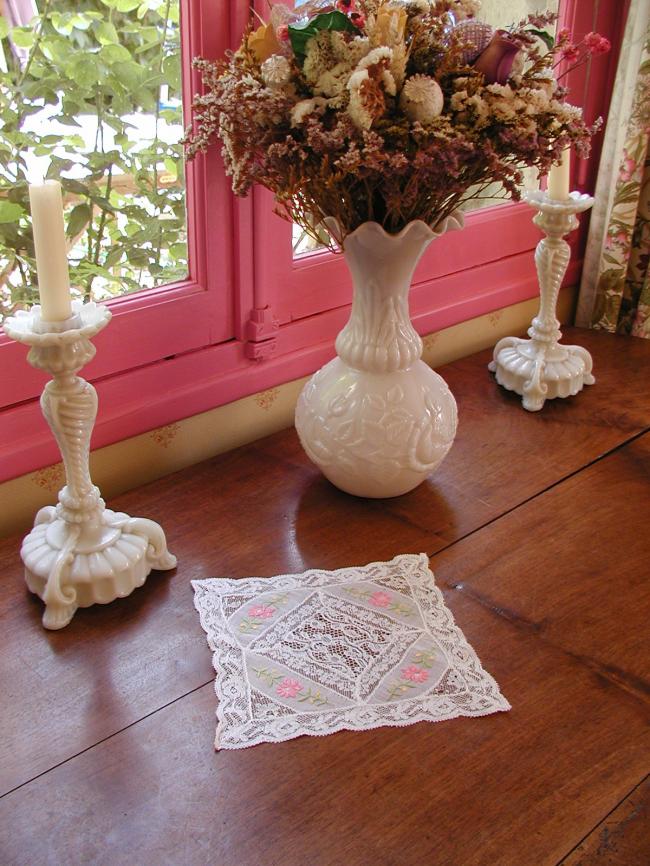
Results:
50 250
79 553
541 368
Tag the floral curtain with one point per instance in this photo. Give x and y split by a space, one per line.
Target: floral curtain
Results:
615 289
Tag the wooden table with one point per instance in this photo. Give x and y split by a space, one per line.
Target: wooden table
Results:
537 529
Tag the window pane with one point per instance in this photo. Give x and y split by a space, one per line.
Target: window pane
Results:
502 15
91 97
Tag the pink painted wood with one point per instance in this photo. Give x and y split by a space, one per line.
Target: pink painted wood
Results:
179 317
182 349
200 380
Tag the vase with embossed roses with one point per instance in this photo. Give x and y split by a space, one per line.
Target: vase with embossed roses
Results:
377 420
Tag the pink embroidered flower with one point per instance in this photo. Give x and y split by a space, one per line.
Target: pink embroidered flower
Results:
289 688
415 674
597 44
261 611
379 599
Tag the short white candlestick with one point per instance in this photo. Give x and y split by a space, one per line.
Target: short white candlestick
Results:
79 553
541 368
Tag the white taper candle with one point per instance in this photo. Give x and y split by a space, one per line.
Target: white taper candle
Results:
559 177
51 251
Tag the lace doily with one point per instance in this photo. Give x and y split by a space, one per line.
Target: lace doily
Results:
325 651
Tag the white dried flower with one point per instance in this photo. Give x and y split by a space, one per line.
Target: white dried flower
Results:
376 56
421 99
545 81
480 109
535 99
361 116
382 57
276 71
462 9
504 91
458 101
357 49
565 112
305 107
333 82
418 6
319 56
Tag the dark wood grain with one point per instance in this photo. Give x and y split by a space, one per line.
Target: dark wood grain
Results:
622 839
577 575
513 788
549 592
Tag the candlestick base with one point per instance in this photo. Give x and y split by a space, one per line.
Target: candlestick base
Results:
541 371
73 565
79 553
541 368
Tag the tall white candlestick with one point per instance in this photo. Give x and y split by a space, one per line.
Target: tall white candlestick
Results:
559 176
51 251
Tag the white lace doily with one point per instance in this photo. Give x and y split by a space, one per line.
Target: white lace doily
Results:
324 651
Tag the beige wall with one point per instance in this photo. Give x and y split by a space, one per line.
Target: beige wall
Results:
143 458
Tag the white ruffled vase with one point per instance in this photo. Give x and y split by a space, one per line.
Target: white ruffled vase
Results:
377 420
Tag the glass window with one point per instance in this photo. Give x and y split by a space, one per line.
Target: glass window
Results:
91 97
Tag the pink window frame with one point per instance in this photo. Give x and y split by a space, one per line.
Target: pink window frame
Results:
464 274
250 317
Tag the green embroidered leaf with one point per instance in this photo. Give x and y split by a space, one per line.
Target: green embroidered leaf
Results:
300 34
546 38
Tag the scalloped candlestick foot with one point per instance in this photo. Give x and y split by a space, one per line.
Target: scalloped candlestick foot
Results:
75 565
541 369
539 372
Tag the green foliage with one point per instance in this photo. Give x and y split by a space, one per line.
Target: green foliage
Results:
94 64
300 34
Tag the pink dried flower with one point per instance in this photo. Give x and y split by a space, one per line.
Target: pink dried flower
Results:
563 36
570 53
596 43
358 19
282 33
540 20
345 5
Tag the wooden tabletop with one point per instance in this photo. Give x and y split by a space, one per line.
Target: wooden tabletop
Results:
537 529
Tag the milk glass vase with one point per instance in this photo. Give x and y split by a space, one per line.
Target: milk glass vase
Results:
377 420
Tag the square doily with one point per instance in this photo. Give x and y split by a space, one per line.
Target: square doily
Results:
325 651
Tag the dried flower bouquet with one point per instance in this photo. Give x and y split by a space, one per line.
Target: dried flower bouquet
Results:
388 110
